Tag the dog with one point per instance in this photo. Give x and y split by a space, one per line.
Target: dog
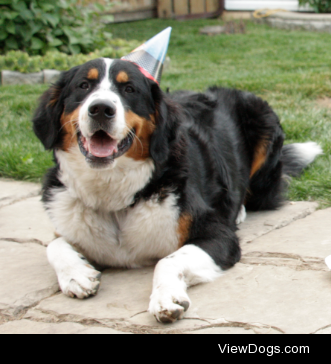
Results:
142 177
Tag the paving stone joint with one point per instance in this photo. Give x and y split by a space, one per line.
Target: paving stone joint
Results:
281 286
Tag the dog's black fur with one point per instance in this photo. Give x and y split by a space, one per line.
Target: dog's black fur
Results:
206 156
204 148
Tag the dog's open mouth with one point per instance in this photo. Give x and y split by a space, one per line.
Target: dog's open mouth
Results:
102 148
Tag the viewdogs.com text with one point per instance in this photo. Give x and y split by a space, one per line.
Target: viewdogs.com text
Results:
268 350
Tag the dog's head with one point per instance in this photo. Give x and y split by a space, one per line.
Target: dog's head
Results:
108 109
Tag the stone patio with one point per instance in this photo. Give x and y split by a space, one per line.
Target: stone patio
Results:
282 284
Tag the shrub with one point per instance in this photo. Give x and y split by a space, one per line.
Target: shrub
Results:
40 26
22 62
320 6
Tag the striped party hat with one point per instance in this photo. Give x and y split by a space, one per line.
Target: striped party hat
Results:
150 56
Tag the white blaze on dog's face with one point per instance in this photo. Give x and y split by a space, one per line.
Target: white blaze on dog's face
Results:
103 111
109 112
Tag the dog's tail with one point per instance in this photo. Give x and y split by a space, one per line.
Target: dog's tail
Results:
296 157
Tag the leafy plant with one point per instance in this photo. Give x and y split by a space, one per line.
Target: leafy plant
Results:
22 62
320 6
40 26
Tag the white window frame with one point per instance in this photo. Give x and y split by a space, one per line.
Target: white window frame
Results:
244 5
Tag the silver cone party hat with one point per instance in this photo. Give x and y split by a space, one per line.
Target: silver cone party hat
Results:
151 55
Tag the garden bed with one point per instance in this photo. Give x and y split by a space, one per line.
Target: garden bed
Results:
19 68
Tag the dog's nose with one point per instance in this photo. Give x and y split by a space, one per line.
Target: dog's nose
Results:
100 110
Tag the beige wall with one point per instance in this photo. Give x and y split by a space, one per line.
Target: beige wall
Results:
130 10
129 5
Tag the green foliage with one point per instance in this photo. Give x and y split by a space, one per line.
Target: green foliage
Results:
22 62
320 6
41 26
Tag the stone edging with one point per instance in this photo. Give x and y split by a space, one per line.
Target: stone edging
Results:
44 77
294 21
17 78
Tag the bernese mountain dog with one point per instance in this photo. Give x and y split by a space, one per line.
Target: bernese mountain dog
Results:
142 177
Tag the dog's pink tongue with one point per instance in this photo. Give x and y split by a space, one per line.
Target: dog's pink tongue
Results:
102 145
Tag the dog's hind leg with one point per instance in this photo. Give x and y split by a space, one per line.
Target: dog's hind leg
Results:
268 186
77 278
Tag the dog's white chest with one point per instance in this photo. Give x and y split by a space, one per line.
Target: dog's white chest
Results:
91 213
131 238
148 232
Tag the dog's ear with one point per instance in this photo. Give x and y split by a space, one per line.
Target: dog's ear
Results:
165 120
47 118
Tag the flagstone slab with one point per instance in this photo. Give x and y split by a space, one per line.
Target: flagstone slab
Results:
123 299
222 331
30 327
122 295
285 300
26 221
11 191
282 284
258 224
309 237
259 299
146 320
25 276
324 331
235 331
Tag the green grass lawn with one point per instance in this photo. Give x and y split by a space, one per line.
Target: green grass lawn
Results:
291 70
21 154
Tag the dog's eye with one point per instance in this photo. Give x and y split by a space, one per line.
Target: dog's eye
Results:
84 86
129 90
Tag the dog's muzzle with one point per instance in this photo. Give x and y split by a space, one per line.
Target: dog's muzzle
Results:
102 115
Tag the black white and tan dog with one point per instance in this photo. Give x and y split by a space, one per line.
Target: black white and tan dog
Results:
143 177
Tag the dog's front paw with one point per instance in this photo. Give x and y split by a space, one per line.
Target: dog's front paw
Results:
241 216
81 281
169 306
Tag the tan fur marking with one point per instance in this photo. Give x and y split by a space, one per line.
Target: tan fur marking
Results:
260 157
184 226
122 77
93 74
55 94
69 127
144 129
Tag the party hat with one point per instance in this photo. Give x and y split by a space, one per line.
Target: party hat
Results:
150 56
